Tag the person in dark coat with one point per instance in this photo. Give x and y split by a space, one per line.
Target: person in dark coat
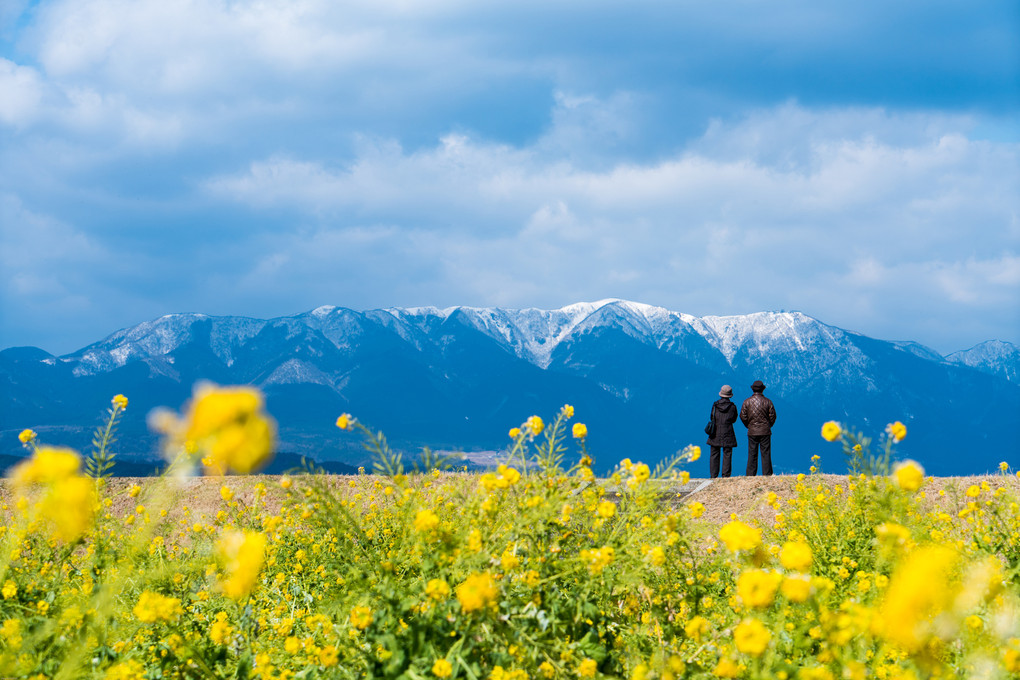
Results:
758 415
724 414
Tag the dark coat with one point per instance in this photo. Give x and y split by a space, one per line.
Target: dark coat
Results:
724 414
758 415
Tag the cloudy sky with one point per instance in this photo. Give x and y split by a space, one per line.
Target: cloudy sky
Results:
859 162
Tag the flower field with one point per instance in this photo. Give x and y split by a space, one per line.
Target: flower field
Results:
537 569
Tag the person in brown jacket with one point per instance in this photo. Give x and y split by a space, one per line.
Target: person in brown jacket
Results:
758 415
724 414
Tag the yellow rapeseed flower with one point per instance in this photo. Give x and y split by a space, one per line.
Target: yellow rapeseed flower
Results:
693 453
918 591
47 465
656 556
726 668
361 617
10 632
1011 657
329 656
125 670
757 588
70 507
226 493
831 431
587 668
241 554
796 555
739 536
696 627
27 436
67 500
425 521
226 427
220 630
892 533
605 509
515 432
9 590
508 561
476 592
442 668
344 421
534 425
908 475
474 543
598 559
897 431
751 637
796 587
579 430
568 411
120 402
154 607
437 589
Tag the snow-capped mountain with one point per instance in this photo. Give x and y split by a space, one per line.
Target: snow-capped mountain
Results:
994 357
643 377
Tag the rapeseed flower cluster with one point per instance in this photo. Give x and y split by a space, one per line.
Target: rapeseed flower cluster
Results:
55 493
536 570
226 427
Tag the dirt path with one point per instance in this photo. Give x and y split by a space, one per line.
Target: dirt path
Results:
198 498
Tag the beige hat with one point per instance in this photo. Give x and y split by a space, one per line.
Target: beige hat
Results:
726 391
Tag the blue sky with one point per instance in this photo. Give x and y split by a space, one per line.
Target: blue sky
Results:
859 162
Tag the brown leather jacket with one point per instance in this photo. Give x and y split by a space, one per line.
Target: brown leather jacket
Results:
758 415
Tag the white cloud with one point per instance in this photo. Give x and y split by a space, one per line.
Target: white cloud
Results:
20 93
858 224
44 261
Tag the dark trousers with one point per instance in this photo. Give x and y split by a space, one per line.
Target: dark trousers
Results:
753 442
713 461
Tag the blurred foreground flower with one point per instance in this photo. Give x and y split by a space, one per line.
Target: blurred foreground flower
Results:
908 475
63 497
477 591
154 607
831 431
897 431
241 556
227 426
739 536
919 591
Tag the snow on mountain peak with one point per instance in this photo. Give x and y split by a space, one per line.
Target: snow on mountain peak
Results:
531 334
324 310
768 332
994 357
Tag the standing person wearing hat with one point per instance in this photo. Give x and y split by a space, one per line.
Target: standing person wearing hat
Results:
758 415
724 414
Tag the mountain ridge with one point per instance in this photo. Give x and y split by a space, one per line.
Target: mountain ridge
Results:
459 376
